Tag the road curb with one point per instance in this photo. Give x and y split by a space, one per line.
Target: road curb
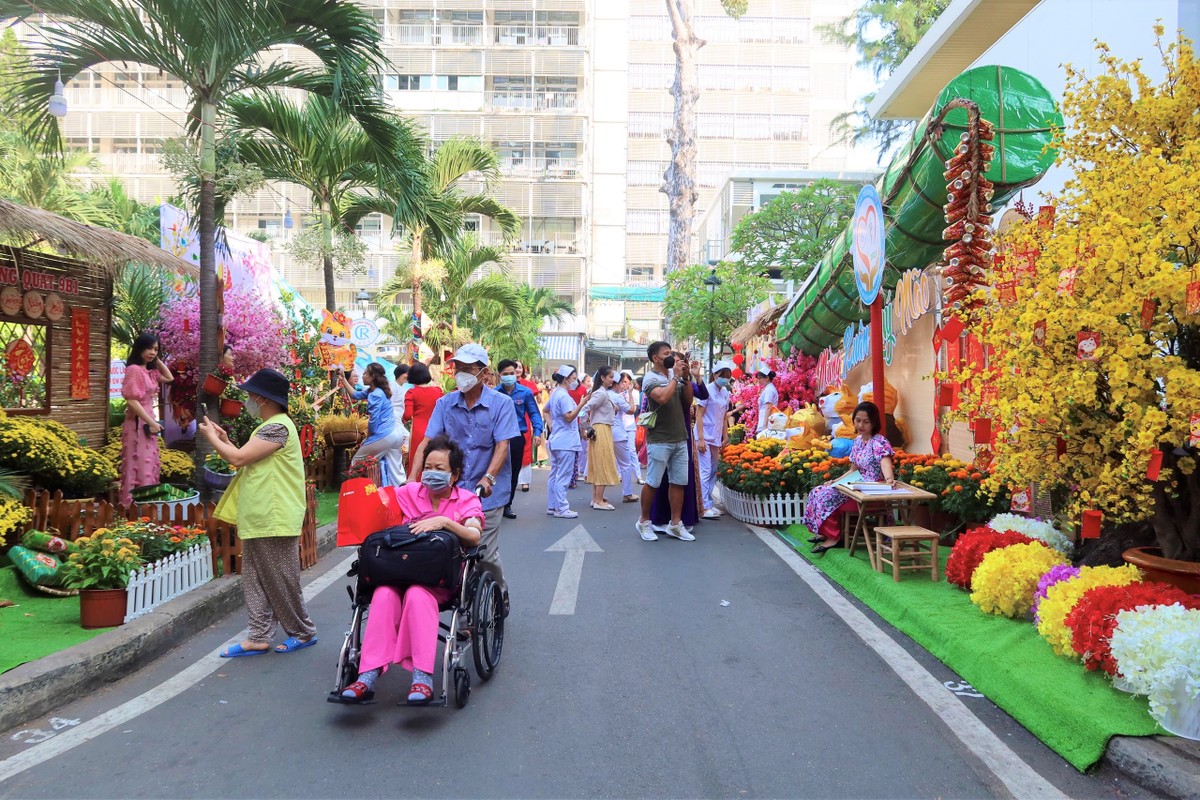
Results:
34 689
1167 765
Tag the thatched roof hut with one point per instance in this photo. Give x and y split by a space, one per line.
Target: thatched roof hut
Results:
102 247
761 326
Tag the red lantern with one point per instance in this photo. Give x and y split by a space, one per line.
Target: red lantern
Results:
738 374
739 359
737 348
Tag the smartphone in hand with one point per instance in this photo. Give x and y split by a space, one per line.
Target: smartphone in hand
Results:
202 412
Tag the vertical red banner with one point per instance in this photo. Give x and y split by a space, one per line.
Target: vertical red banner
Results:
81 329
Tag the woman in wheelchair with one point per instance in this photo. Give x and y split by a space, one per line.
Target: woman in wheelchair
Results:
404 630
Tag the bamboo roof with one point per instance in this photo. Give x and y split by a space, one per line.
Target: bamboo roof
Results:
757 327
108 249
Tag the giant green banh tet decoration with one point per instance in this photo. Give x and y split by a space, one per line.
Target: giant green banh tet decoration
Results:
914 190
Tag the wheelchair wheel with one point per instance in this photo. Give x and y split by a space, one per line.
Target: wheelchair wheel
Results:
347 668
487 629
462 686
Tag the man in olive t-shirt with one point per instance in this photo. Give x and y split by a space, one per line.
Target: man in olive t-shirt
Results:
668 392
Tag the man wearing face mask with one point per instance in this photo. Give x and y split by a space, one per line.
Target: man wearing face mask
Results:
481 421
668 392
528 414
712 433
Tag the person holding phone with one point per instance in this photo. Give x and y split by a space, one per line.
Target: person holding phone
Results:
144 372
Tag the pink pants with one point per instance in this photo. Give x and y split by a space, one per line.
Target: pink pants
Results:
403 632
831 528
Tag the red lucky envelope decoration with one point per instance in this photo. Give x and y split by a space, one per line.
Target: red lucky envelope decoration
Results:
1091 524
952 329
1154 466
1006 291
983 430
1022 500
1192 306
1039 333
1087 343
947 393
1149 306
1066 280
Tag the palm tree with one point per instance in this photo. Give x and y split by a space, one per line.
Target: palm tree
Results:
321 147
544 304
460 287
434 227
28 177
138 297
217 49
128 214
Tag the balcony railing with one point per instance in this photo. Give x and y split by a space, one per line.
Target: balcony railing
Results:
464 34
544 244
525 100
538 167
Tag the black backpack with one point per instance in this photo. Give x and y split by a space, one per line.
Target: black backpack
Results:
398 557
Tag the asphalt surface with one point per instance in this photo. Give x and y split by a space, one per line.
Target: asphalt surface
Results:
703 669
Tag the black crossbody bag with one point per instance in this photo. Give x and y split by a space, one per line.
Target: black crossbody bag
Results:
398 557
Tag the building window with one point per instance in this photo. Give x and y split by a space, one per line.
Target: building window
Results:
789 127
641 274
645 173
645 222
649 124
651 76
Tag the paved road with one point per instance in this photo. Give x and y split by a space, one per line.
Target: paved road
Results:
652 688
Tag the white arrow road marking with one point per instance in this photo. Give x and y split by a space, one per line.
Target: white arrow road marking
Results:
575 544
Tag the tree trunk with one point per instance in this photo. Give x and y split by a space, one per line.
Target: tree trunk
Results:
210 318
416 291
1176 518
327 257
679 181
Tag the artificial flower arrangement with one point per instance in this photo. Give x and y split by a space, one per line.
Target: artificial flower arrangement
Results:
762 467
958 485
969 550
365 468
1006 580
1034 529
1062 597
1157 653
53 457
101 561
1063 572
1094 618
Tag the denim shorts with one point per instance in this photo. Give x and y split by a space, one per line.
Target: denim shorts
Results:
670 458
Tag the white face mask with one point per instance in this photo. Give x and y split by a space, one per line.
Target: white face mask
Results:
253 407
573 384
465 381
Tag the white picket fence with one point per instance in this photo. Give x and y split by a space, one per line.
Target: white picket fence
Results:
155 584
775 510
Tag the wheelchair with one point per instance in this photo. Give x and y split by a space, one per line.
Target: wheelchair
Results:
476 624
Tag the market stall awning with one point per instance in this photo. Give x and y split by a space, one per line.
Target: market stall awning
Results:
961 34
105 248
561 348
632 294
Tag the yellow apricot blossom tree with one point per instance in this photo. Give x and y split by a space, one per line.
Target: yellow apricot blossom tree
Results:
1093 356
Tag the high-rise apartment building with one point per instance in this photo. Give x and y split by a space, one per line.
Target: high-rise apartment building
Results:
572 94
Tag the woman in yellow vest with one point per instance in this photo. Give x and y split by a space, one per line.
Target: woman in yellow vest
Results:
271 477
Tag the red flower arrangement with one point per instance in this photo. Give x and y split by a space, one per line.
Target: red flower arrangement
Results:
970 549
1094 618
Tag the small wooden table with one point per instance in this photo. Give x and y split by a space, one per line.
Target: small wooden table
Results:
901 500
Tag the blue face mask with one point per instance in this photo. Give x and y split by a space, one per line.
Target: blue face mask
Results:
435 479
723 383
508 380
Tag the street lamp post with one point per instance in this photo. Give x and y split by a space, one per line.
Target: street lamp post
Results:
711 283
363 300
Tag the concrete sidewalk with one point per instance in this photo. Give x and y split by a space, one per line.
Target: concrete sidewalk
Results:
34 689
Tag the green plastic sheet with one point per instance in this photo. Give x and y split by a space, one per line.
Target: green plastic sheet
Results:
1025 117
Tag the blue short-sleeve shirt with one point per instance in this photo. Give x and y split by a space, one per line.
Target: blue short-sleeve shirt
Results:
477 430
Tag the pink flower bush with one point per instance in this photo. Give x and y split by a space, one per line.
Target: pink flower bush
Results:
793 379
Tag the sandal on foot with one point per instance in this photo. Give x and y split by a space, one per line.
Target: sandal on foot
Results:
419 694
292 643
357 692
237 651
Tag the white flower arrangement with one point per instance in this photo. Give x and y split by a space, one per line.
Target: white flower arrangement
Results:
1035 529
1157 650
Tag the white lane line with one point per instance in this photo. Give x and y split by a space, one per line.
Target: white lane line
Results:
176 685
1020 779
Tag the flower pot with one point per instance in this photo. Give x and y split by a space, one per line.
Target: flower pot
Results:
214 385
101 608
231 408
216 480
1150 560
1181 713
342 438
1121 684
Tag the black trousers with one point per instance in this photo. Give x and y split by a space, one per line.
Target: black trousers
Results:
516 454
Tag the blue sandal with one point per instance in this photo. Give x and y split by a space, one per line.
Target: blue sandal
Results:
292 643
237 651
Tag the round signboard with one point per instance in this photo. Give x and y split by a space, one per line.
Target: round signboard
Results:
55 307
10 300
363 332
34 304
868 245
308 437
19 359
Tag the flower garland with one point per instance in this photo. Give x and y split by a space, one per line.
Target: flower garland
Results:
1157 648
970 549
1094 618
1034 529
1005 581
1063 572
1062 597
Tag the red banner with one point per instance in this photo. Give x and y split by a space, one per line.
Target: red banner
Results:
81 328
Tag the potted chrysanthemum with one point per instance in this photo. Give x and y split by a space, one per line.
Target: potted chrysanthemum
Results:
100 568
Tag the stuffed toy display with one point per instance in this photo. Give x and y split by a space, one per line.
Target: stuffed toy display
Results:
806 427
777 423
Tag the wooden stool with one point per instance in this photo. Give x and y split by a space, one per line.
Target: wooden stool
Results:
907 547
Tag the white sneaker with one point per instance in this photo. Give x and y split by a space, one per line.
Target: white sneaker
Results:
646 531
568 514
679 532
712 513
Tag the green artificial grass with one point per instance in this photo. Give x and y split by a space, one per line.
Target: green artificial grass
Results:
38 624
327 503
1073 711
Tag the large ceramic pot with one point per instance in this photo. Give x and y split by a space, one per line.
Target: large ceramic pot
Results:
1150 560
217 480
101 608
